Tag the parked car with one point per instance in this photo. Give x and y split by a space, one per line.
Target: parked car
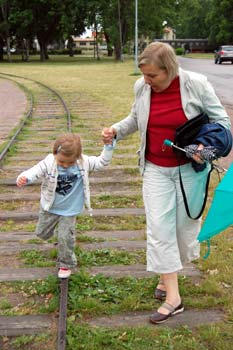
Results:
224 54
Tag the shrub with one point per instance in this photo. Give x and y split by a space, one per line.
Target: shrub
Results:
180 51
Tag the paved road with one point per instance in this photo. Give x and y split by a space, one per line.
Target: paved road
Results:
220 76
13 104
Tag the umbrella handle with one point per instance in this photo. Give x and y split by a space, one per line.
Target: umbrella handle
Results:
169 143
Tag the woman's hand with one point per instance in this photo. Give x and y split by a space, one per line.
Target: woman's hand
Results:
196 156
21 181
108 134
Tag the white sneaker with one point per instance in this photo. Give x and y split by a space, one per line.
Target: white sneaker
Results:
64 272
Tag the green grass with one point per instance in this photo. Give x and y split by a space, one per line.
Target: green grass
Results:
209 56
143 338
110 223
100 257
26 341
107 201
139 338
5 304
34 258
4 205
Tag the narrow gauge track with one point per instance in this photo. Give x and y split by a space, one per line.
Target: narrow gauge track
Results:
47 116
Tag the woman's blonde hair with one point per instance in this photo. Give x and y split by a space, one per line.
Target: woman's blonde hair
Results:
69 145
163 56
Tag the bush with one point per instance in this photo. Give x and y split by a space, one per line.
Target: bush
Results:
180 51
64 52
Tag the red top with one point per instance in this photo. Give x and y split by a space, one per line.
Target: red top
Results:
166 114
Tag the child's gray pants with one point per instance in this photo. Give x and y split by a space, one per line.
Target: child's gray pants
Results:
65 228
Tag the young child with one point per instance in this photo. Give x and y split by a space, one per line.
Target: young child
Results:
64 192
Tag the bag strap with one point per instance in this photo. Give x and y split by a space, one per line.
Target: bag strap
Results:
185 198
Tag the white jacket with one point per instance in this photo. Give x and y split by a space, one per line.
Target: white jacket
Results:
197 96
47 170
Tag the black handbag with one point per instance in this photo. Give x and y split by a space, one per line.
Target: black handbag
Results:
185 135
187 132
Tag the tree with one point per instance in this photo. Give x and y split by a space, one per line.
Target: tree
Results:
5 27
47 16
220 21
40 18
47 20
190 19
21 21
110 16
73 20
151 14
59 20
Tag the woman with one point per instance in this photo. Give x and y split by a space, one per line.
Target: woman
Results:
165 98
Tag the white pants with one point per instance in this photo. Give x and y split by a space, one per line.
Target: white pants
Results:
171 234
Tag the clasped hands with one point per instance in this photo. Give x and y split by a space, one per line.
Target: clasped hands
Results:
108 135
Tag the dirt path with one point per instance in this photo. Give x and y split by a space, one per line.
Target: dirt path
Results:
13 105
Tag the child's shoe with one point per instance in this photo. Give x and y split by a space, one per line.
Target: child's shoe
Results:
64 272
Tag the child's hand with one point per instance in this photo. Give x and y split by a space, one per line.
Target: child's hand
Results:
108 135
21 181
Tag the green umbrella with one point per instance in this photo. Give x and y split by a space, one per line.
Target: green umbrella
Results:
220 214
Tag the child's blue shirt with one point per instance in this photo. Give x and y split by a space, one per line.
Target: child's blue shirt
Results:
69 196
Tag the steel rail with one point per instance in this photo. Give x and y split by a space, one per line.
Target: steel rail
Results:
61 336
61 333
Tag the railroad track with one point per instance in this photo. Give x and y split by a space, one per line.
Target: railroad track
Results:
47 116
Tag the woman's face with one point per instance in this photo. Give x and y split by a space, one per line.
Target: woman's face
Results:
157 78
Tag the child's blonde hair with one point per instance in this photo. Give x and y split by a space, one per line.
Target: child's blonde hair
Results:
69 145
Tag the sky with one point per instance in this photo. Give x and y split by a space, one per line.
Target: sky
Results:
86 34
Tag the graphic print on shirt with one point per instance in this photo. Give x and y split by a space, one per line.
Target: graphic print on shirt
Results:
65 183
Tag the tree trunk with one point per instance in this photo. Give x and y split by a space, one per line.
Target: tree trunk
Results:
1 49
120 32
109 46
8 49
96 42
1 52
117 50
5 13
70 46
25 50
42 50
46 52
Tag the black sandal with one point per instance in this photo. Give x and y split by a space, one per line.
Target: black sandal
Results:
159 293
158 317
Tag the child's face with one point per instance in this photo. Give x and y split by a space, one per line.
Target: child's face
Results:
65 161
